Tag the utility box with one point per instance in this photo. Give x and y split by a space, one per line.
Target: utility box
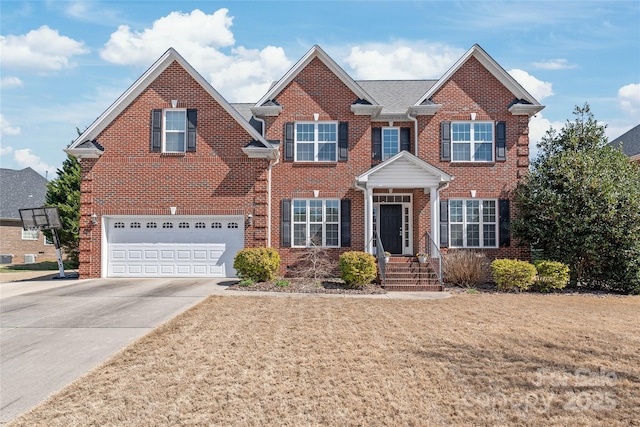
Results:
6 259
29 258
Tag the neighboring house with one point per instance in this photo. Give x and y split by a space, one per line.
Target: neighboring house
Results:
20 189
630 142
179 179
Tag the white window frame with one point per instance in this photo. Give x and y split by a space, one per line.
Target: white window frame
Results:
481 223
385 142
165 131
472 141
31 234
315 142
47 242
307 223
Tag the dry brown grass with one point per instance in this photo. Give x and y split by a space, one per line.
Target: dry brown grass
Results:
469 360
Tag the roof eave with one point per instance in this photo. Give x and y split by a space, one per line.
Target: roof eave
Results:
424 110
366 110
266 110
84 153
261 153
525 109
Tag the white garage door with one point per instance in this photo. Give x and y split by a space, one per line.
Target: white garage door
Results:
173 246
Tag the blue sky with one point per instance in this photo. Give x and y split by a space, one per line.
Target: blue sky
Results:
63 63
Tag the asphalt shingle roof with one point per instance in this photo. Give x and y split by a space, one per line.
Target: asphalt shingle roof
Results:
630 142
396 95
20 189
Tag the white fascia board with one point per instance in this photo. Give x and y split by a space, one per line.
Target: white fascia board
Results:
144 81
492 66
525 109
84 153
424 110
266 110
315 52
366 110
261 153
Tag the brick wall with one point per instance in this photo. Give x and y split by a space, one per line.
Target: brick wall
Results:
11 243
129 179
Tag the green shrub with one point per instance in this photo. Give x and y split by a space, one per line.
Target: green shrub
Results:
551 275
513 274
357 268
258 264
465 268
282 283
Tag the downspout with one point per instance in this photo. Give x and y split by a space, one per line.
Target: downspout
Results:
415 130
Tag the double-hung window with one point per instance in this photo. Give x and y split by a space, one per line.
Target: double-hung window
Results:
31 234
316 222
472 141
175 130
316 141
390 142
473 223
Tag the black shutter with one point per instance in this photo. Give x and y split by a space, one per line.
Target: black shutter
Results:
376 143
501 141
192 122
445 141
405 139
444 223
288 141
345 223
156 130
343 141
285 223
505 229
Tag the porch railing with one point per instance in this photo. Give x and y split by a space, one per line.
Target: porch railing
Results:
434 255
380 257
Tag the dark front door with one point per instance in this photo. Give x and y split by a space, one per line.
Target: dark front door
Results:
391 228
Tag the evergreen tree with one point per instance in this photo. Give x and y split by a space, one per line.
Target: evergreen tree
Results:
580 204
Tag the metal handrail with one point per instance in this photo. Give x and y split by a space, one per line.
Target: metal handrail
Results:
380 257
431 250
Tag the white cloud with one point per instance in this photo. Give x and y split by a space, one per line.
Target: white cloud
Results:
43 49
629 98
537 88
240 75
401 60
555 64
4 150
7 82
25 158
6 128
538 127
192 34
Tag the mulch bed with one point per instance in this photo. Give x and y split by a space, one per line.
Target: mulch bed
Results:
309 286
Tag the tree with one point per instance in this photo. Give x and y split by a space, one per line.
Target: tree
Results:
580 204
64 193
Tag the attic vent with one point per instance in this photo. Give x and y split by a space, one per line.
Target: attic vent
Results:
29 258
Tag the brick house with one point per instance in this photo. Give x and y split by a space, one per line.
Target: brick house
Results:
21 189
630 143
180 179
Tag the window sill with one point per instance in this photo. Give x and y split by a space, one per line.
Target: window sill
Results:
467 164
173 154
314 164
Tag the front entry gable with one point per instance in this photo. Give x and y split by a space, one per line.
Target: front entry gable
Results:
404 170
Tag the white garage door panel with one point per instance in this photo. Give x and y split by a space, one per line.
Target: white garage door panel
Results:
192 247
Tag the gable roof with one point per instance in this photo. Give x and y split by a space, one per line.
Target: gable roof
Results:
170 56
20 189
404 170
526 103
630 142
396 95
315 52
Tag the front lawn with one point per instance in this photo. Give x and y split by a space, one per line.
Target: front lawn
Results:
473 359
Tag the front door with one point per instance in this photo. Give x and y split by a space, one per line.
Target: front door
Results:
391 228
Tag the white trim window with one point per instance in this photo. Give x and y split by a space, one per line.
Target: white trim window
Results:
390 142
473 223
31 234
316 222
48 241
174 135
472 141
316 141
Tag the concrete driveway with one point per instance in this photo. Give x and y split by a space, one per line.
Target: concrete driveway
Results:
50 337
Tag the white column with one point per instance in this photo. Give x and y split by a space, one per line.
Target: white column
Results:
368 220
434 200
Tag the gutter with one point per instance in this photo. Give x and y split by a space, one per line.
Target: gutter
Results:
415 130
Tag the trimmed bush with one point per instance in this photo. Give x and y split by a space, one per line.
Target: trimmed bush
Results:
357 268
258 264
551 275
513 274
465 268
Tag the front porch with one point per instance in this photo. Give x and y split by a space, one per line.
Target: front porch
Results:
406 273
